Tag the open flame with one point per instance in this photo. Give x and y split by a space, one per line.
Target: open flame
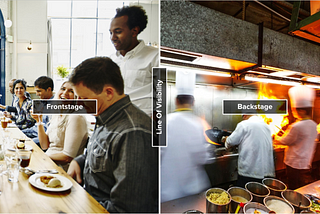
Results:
275 122
206 126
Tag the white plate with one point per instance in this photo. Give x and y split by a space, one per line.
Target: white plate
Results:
27 147
35 181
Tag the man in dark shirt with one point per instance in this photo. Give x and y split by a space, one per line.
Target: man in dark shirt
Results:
44 90
120 167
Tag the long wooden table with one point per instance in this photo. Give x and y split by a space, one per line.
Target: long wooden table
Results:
22 197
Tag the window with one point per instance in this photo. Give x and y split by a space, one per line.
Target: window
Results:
80 30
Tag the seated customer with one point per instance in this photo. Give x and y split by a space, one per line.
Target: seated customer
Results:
11 108
66 135
120 166
23 104
44 89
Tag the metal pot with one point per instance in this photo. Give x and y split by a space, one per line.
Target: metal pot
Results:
192 212
238 191
275 186
213 207
298 200
216 134
250 207
258 191
268 200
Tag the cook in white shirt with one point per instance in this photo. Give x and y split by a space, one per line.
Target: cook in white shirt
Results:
255 162
299 137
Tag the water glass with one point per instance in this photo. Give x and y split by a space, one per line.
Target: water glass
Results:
2 151
2 171
13 166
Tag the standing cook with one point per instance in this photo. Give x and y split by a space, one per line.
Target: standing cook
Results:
299 137
182 161
255 161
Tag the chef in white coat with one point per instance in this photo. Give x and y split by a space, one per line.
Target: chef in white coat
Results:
182 161
299 137
254 141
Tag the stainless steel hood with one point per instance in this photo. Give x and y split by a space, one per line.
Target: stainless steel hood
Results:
217 70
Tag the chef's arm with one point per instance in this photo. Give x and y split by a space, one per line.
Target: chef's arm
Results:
236 137
287 138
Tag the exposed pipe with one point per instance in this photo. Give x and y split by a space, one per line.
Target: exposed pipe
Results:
273 11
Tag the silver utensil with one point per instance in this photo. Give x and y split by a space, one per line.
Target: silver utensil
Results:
50 171
29 171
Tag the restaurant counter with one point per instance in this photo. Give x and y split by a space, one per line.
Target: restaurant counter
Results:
23 197
198 201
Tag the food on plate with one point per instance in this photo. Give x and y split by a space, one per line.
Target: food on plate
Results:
46 178
218 198
50 181
315 207
256 212
239 199
54 183
315 203
279 206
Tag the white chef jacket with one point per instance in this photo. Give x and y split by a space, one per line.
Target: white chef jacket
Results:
255 148
182 161
136 69
300 138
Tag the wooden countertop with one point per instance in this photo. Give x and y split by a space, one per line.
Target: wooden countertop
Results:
22 197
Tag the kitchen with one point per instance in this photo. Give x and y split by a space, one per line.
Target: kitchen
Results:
235 59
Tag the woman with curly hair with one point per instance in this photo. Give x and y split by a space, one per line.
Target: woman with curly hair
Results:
23 105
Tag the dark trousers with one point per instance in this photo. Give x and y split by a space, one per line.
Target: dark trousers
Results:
242 180
297 177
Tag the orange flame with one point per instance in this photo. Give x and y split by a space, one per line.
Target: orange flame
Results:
274 121
206 126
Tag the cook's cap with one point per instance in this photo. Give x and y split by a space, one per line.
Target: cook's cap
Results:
185 82
301 96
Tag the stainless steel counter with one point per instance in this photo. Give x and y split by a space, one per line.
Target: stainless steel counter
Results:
192 202
198 201
312 189
227 165
223 169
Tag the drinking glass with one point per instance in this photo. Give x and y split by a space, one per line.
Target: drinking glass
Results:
2 150
2 171
4 123
13 165
24 156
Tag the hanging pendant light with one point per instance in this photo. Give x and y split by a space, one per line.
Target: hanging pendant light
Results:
29 47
